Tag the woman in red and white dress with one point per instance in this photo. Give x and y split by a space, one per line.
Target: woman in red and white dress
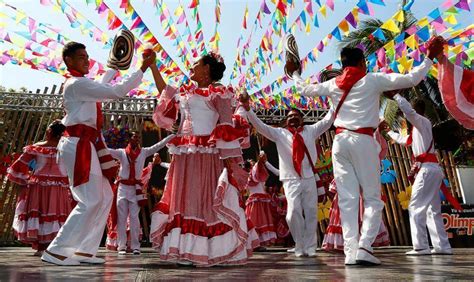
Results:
199 220
258 205
333 240
44 202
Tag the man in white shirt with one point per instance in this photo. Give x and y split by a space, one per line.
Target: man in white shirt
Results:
130 195
89 166
354 151
425 202
297 154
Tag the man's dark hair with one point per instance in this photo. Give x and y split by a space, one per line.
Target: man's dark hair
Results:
419 105
70 48
300 113
351 57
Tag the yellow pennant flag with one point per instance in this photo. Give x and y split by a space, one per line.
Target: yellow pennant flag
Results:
399 16
21 54
456 49
391 26
457 32
451 19
390 45
411 42
308 28
355 13
322 10
423 22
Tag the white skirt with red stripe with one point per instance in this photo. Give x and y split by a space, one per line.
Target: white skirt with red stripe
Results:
258 211
199 218
42 208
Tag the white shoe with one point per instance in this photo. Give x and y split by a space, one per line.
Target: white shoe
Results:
292 250
311 253
299 254
185 263
363 257
350 256
418 252
122 252
46 257
90 260
136 252
441 252
350 260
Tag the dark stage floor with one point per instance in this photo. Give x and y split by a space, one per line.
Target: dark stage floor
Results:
19 264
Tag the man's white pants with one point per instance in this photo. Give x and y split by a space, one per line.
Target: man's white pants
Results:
302 197
84 227
127 205
357 171
425 209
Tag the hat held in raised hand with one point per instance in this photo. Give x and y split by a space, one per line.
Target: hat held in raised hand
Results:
121 54
292 54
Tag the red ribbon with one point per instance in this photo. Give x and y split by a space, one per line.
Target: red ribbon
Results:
298 149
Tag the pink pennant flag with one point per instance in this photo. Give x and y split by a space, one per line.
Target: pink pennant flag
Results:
381 57
411 30
371 10
181 19
45 2
439 27
330 4
447 4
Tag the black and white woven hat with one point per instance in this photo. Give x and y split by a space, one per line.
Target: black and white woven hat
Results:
121 54
326 74
292 54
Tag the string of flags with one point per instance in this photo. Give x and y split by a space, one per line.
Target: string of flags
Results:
35 44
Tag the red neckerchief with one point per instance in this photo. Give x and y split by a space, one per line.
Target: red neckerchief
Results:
345 81
99 118
132 156
298 149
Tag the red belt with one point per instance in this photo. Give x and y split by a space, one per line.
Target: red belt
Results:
365 130
426 158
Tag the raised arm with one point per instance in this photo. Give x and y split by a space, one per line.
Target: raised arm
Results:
412 116
108 76
323 125
115 153
311 90
273 169
159 81
148 151
397 137
269 132
394 81
89 90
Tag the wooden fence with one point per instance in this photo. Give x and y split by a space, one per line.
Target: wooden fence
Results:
20 126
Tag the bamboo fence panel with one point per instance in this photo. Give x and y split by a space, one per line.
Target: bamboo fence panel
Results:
26 127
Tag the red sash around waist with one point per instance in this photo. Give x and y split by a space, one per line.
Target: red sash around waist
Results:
82 164
365 130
